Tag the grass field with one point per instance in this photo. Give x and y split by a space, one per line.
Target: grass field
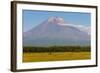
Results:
55 56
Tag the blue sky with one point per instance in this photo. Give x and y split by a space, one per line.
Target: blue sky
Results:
32 18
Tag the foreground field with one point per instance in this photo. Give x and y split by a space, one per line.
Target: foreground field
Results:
55 56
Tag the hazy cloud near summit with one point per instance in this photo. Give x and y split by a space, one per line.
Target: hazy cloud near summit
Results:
80 27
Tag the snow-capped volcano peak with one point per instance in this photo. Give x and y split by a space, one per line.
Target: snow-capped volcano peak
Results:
56 20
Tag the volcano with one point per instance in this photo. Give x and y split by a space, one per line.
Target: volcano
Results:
55 31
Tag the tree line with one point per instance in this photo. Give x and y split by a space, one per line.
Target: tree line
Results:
58 49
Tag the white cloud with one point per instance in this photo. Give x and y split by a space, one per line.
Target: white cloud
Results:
80 27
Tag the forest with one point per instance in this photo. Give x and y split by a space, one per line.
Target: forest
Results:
58 49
